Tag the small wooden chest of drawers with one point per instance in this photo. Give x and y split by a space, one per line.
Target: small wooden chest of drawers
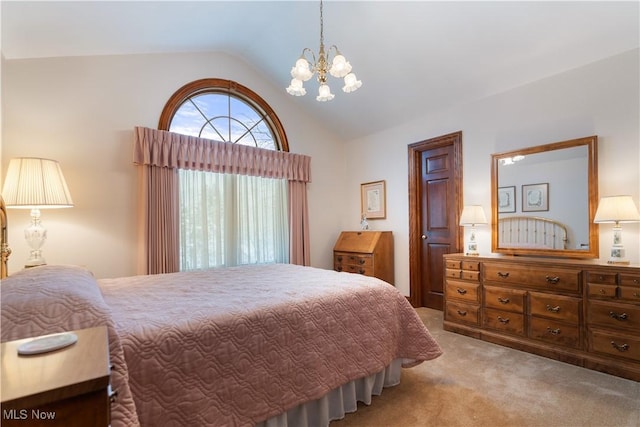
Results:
463 287
365 252
614 314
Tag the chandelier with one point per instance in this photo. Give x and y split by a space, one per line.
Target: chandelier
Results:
340 67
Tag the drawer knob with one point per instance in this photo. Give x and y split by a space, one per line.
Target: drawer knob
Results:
462 313
552 280
503 300
339 268
502 320
339 257
503 275
113 394
621 348
361 261
553 309
602 291
621 317
461 291
553 331
361 271
636 294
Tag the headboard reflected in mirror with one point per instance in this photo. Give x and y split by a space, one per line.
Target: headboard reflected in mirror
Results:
546 197
4 245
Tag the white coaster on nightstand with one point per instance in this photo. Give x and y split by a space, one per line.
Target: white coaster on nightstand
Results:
48 343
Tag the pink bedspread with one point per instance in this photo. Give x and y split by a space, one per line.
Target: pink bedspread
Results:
56 298
235 346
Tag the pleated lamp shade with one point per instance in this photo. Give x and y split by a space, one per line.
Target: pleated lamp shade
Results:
35 183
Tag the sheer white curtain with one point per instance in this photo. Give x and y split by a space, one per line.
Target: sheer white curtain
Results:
228 220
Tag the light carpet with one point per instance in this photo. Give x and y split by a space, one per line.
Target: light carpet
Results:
476 383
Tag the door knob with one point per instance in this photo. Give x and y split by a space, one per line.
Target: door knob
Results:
423 237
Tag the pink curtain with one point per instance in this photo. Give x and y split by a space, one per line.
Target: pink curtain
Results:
158 225
160 153
299 251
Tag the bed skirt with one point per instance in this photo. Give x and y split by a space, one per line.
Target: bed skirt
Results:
339 401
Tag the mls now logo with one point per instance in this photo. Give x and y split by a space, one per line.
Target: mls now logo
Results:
23 414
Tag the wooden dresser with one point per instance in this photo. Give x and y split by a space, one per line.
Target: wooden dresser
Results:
67 387
583 312
365 252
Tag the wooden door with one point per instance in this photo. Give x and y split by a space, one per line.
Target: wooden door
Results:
435 203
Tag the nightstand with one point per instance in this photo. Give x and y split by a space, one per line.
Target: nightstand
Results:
67 387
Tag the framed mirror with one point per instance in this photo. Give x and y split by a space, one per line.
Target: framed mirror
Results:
544 199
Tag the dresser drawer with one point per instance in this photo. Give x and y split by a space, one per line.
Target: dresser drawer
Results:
629 288
454 264
614 315
504 321
471 265
504 299
601 291
471 275
629 294
615 344
350 268
462 313
462 291
554 332
566 309
630 280
453 274
601 278
363 260
548 278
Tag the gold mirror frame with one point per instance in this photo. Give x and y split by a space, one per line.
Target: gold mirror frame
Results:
591 143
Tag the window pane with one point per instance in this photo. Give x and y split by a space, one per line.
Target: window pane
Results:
228 220
187 120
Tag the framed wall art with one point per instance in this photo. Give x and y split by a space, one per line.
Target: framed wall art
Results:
373 200
507 199
535 197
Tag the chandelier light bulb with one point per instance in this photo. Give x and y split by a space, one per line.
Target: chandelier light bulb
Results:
351 83
296 88
340 67
324 93
301 70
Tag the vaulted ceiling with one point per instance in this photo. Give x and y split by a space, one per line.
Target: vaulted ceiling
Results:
412 57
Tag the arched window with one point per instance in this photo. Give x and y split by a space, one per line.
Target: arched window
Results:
226 219
223 110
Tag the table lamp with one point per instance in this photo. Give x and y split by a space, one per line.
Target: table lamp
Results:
617 209
34 183
471 216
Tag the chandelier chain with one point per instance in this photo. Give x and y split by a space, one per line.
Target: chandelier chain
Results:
321 26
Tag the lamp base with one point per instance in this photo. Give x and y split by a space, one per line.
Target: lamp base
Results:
35 235
34 263
472 249
619 262
618 255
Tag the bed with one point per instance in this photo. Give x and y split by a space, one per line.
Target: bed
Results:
531 232
264 345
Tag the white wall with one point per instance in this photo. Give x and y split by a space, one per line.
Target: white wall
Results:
81 111
599 99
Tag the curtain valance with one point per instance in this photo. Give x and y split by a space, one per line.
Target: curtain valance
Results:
172 150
